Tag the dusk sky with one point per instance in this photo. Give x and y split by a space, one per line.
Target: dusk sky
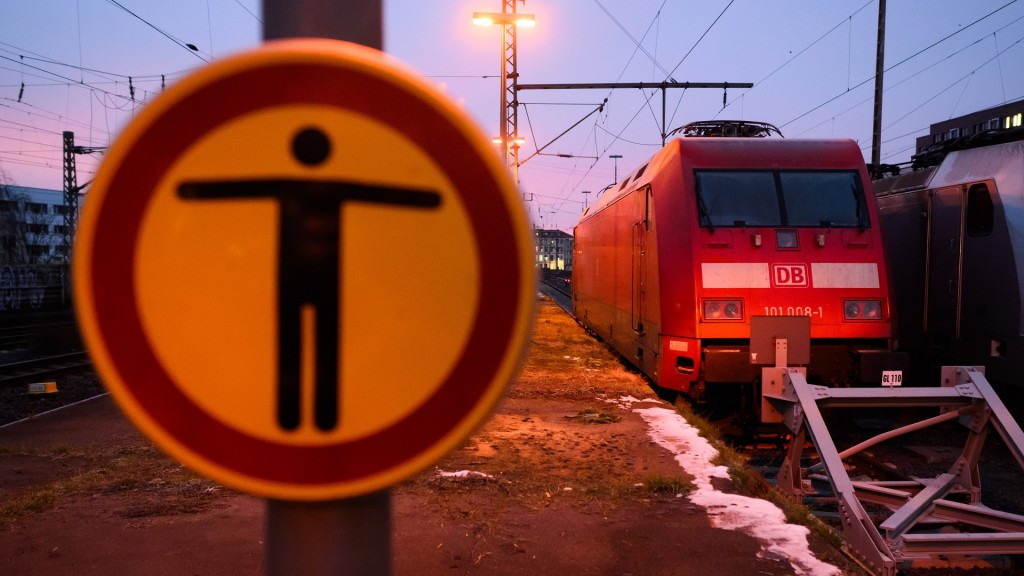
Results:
66 64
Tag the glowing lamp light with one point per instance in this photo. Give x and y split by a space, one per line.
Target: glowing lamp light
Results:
509 22
518 140
723 310
862 310
491 18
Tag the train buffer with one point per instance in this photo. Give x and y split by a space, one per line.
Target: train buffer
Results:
916 520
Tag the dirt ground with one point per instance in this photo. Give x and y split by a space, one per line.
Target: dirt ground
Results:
561 482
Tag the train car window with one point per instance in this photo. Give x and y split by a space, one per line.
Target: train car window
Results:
980 212
737 199
825 199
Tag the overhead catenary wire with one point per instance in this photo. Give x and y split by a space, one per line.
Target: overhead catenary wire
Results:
49 74
900 63
32 65
255 17
893 86
761 82
638 47
965 77
42 59
191 48
668 76
638 44
35 114
616 135
697 43
607 133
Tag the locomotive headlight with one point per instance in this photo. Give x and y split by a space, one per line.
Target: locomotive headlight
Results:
862 310
723 310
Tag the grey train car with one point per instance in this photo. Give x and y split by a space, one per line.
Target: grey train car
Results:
954 233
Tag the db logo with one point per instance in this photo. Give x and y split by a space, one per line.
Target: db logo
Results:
792 275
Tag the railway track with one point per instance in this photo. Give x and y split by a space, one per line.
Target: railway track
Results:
25 371
556 286
42 351
17 338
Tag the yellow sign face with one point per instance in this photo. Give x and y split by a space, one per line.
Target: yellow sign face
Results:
303 273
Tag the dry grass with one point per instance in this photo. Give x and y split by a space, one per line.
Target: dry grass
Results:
150 483
564 460
671 485
595 372
595 416
565 362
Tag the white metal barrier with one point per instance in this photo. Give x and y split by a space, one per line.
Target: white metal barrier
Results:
917 506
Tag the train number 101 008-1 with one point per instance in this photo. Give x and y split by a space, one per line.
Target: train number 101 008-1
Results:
792 311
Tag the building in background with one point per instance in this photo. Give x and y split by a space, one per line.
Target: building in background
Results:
33 259
31 225
1004 117
554 249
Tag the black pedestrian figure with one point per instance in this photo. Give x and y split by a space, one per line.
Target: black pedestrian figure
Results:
307 266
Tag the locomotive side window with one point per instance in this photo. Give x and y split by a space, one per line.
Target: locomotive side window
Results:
980 212
799 199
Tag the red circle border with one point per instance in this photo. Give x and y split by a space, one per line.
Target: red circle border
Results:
117 229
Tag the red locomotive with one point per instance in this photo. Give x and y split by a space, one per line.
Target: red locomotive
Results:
671 263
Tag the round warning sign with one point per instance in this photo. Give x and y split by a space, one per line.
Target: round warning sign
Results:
303 273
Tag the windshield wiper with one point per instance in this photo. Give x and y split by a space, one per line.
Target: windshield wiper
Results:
702 210
862 213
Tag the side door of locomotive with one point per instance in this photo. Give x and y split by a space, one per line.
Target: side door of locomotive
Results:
945 263
638 266
644 304
969 284
946 215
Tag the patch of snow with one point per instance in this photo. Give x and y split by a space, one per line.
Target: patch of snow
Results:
464 474
625 402
758 518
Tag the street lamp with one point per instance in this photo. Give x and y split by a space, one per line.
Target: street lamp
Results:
508 146
516 140
491 18
509 21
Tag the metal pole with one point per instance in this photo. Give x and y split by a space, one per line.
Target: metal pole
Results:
503 133
664 129
615 158
70 195
876 132
509 86
358 21
350 536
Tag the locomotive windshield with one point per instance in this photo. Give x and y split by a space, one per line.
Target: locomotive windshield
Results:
799 199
